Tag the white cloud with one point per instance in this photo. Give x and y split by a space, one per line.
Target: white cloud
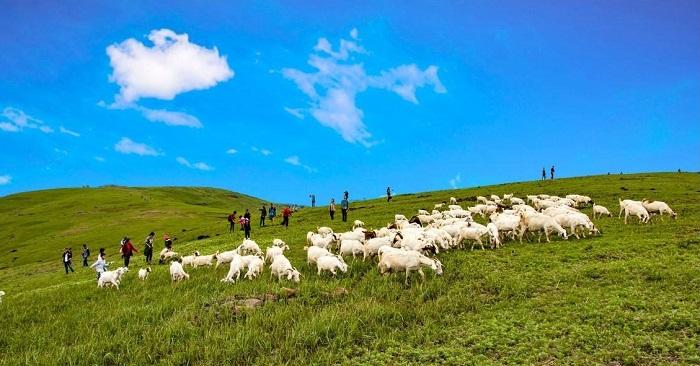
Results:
8 127
199 165
60 151
231 151
338 79
170 118
264 152
294 160
127 146
454 182
173 65
100 159
296 112
68 132
16 120
5 179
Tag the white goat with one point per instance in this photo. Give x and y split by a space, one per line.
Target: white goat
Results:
331 263
255 268
143 273
658 207
407 261
177 272
111 277
351 247
600 211
282 267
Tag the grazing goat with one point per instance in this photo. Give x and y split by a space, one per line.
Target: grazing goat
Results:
407 261
282 267
331 263
143 273
600 211
177 272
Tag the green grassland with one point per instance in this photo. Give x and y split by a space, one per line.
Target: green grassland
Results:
630 296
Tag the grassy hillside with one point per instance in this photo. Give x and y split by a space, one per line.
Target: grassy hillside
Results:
630 296
36 226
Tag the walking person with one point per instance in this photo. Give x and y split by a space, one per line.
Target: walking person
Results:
551 173
286 213
67 257
128 250
85 255
544 174
232 222
246 223
100 264
263 215
388 194
272 212
331 208
344 205
148 247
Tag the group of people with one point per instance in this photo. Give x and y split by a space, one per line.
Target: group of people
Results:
265 214
551 173
126 250
344 207
67 258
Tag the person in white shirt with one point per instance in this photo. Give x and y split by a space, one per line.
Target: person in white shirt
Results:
100 264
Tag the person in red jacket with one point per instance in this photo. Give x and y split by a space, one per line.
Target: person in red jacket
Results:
285 216
127 250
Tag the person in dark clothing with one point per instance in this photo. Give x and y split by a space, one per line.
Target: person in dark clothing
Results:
331 208
128 250
167 242
551 173
544 174
388 194
313 200
344 206
148 247
263 215
67 260
246 223
232 222
85 255
286 213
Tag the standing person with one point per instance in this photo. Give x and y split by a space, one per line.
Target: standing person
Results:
551 173
100 264
344 205
232 222
263 215
544 174
246 223
67 255
148 247
241 222
85 255
285 216
331 208
388 194
313 200
272 212
128 250
168 243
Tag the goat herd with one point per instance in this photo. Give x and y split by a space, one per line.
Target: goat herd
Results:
407 245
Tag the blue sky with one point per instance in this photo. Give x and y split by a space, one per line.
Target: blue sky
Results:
280 100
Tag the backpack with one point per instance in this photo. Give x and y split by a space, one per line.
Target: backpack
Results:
231 218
